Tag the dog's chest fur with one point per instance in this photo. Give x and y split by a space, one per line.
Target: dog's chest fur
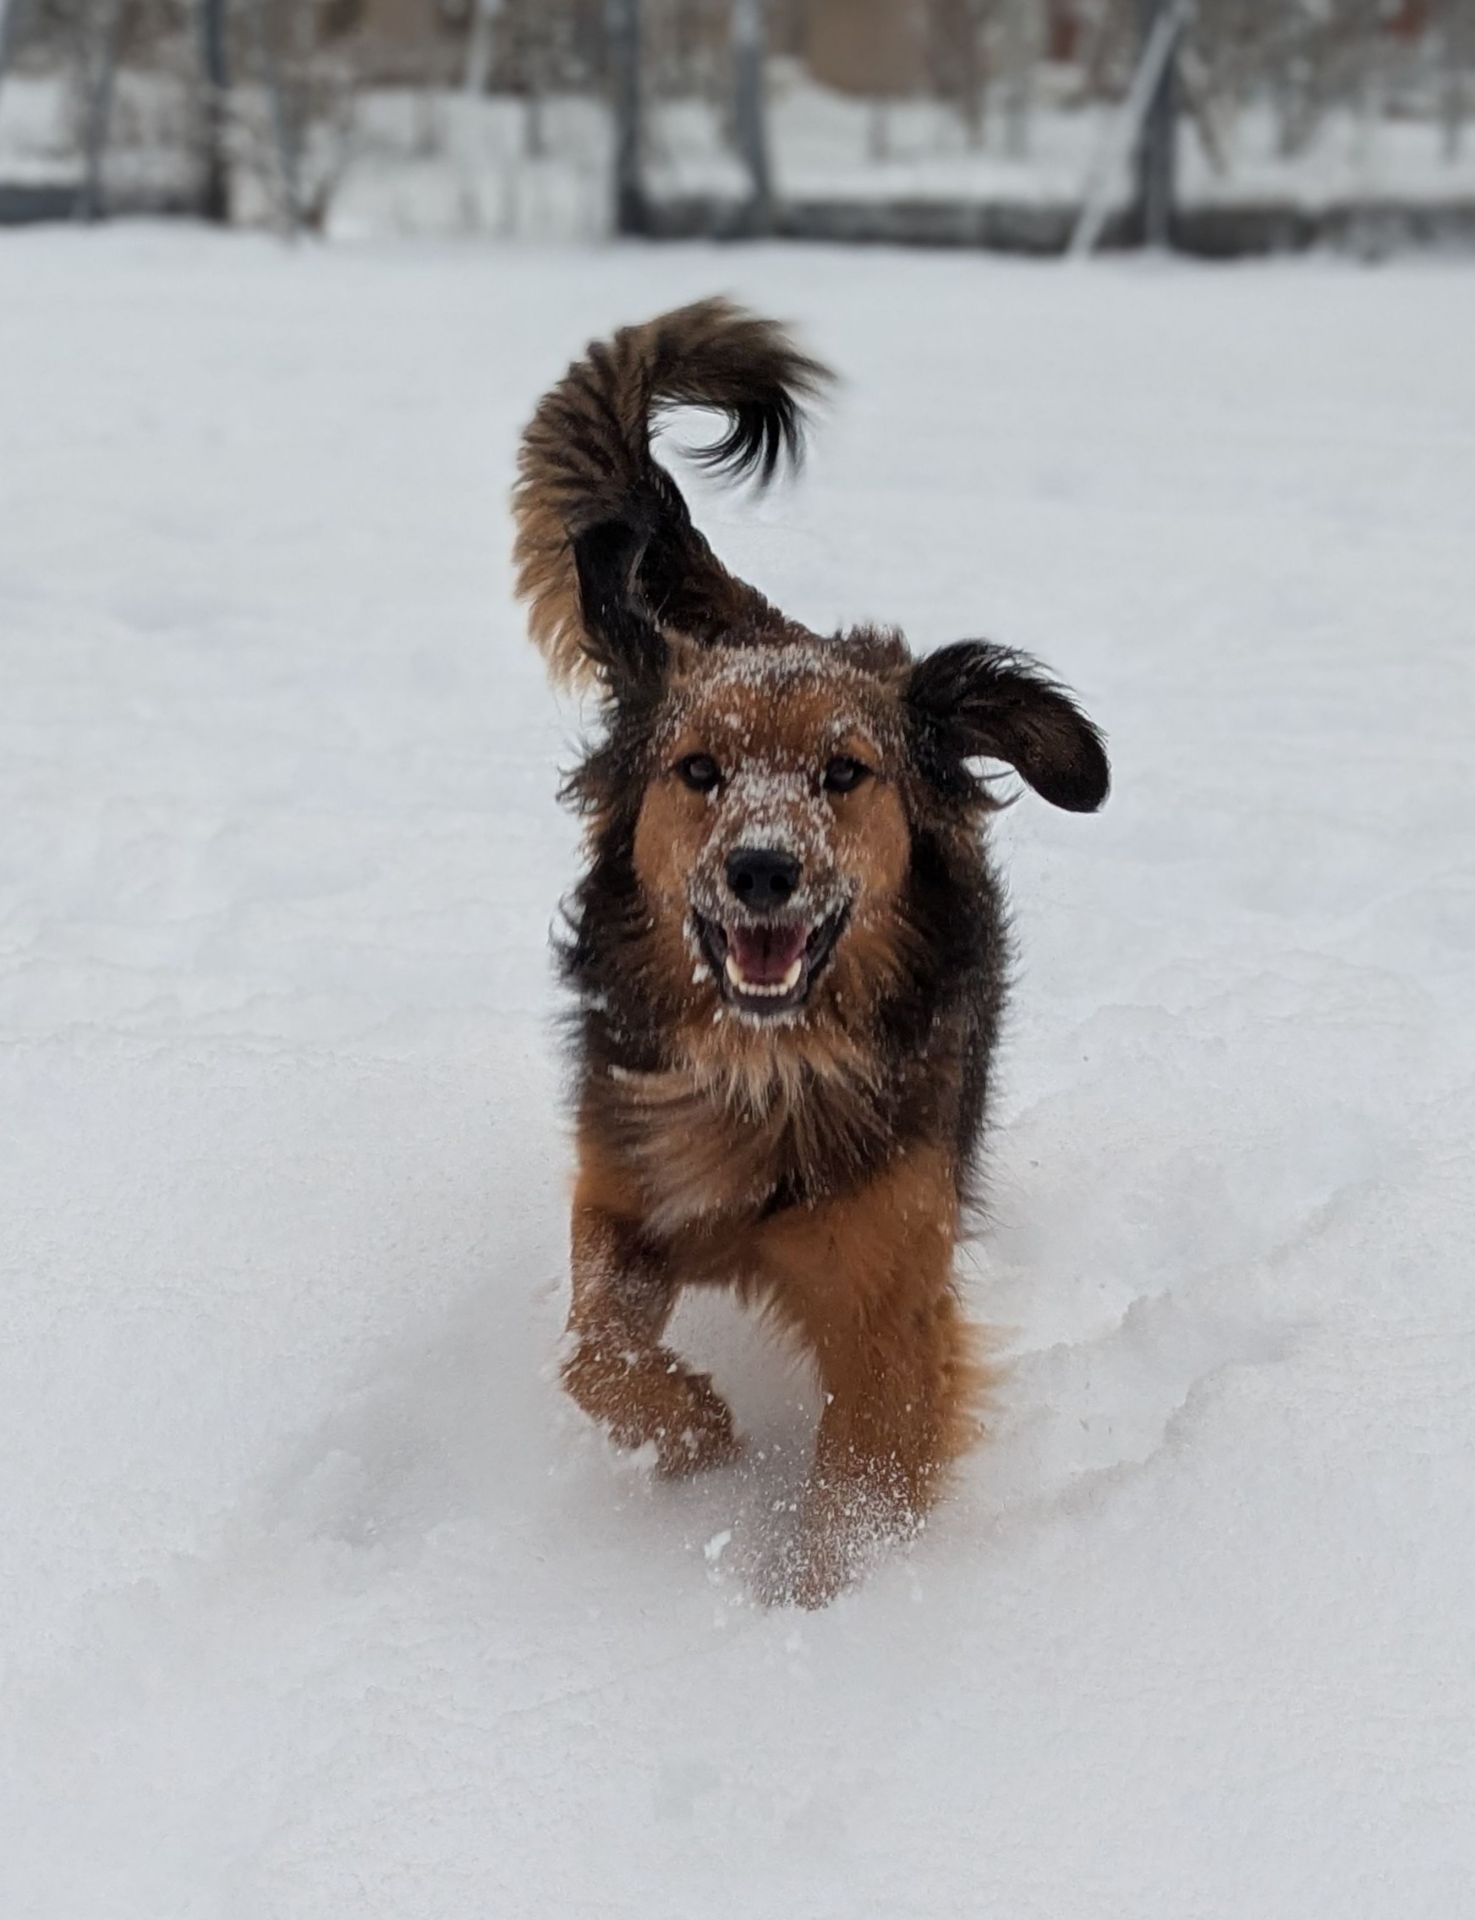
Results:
707 1146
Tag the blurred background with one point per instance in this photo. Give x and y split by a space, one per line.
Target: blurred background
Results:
1221 127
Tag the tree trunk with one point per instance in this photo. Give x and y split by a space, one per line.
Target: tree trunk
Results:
479 45
215 75
1455 50
10 13
623 25
750 117
286 121
101 44
1018 63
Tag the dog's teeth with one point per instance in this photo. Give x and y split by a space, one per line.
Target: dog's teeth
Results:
755 990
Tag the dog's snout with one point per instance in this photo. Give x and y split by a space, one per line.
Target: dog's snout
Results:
763 878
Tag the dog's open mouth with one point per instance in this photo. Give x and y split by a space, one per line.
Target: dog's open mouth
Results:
768 967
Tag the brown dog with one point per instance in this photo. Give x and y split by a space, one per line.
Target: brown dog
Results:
788 947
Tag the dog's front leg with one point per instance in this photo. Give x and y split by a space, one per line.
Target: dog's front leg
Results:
867 1281
618 1370
896 1401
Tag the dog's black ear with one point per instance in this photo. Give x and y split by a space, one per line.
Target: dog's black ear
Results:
621 638
972 700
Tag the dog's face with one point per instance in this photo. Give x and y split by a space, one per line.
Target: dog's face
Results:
784 790
773 833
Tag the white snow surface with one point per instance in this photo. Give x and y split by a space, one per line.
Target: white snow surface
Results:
315 1598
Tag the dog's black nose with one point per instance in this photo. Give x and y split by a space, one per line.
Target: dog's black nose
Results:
762 877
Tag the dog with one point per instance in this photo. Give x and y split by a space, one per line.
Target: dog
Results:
787 950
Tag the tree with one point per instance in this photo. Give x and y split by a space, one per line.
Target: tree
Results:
623 28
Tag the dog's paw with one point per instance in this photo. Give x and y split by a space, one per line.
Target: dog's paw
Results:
649 1399
803 1578
818 1560
697 1432
842 1532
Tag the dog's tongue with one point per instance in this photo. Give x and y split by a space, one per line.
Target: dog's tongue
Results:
764 955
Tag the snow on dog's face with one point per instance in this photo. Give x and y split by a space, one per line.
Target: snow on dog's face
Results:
773 835
784 847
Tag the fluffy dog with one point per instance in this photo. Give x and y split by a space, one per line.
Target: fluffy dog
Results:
788 947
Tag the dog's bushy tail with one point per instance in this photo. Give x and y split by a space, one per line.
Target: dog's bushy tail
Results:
590 494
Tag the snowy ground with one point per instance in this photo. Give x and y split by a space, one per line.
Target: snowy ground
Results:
315 1601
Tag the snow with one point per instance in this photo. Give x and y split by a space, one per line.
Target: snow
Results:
434 161
315 1598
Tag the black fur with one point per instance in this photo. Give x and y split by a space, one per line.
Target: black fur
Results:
766 432
622 639
972 700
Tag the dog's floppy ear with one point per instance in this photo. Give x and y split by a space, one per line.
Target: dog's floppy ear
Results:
972 700
621 639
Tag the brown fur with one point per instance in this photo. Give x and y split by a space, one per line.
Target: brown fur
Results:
864 1281
814 1152
586 457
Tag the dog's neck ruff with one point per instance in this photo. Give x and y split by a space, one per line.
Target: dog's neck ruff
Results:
722 1142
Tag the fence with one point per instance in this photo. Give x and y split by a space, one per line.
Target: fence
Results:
1214 125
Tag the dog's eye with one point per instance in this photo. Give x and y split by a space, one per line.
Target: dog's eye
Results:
844 775
700 772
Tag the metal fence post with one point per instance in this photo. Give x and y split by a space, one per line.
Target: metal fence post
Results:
1160 26
622 20
1163 22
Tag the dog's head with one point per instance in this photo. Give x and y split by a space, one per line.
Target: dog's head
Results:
785 826
772 829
